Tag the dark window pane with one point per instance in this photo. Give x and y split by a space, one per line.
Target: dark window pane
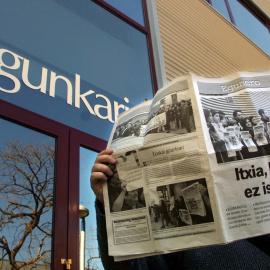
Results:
26 197
220 6
131 8
250 26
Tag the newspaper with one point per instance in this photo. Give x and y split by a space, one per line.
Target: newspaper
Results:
192 167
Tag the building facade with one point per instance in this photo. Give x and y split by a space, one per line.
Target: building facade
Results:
67 69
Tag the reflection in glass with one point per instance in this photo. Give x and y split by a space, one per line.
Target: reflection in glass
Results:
26 197
220 6
87 199
109 56
250 26
131 8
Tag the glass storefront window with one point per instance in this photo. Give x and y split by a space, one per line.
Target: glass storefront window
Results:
246 22
95 65
250 26
80 65
87 199
131 8
27 166
221 7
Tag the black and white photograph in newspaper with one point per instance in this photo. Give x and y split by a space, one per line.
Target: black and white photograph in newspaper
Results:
237 130
133 127
128 160
172 114
180 204
121 197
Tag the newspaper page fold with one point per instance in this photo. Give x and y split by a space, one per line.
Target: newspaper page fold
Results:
192 167
160 198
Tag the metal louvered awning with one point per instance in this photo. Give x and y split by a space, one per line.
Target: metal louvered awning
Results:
196 38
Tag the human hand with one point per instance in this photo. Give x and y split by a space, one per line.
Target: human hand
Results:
101 171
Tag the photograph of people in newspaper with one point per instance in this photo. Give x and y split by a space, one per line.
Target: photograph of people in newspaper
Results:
122 198
239 125
170 113
180 204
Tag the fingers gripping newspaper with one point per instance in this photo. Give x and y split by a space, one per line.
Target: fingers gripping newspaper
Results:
192 167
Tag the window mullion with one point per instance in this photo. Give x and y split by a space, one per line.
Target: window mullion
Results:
122 16
229 11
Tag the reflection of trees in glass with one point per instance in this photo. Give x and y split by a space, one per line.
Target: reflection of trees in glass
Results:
93 260
26 200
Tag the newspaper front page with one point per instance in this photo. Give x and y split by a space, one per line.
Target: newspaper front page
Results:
235 114
192 167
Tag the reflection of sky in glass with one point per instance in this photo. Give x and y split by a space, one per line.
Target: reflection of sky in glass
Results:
11 132
87 199
246 22
68 38
220 6
251 26
131 8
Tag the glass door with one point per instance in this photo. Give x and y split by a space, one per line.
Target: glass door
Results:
33 190
89 251
27 176
84 149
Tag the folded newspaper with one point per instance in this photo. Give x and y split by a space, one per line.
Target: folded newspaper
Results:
192 167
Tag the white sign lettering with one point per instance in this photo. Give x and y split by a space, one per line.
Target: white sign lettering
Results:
110 110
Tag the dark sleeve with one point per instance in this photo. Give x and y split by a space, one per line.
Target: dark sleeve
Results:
108 261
